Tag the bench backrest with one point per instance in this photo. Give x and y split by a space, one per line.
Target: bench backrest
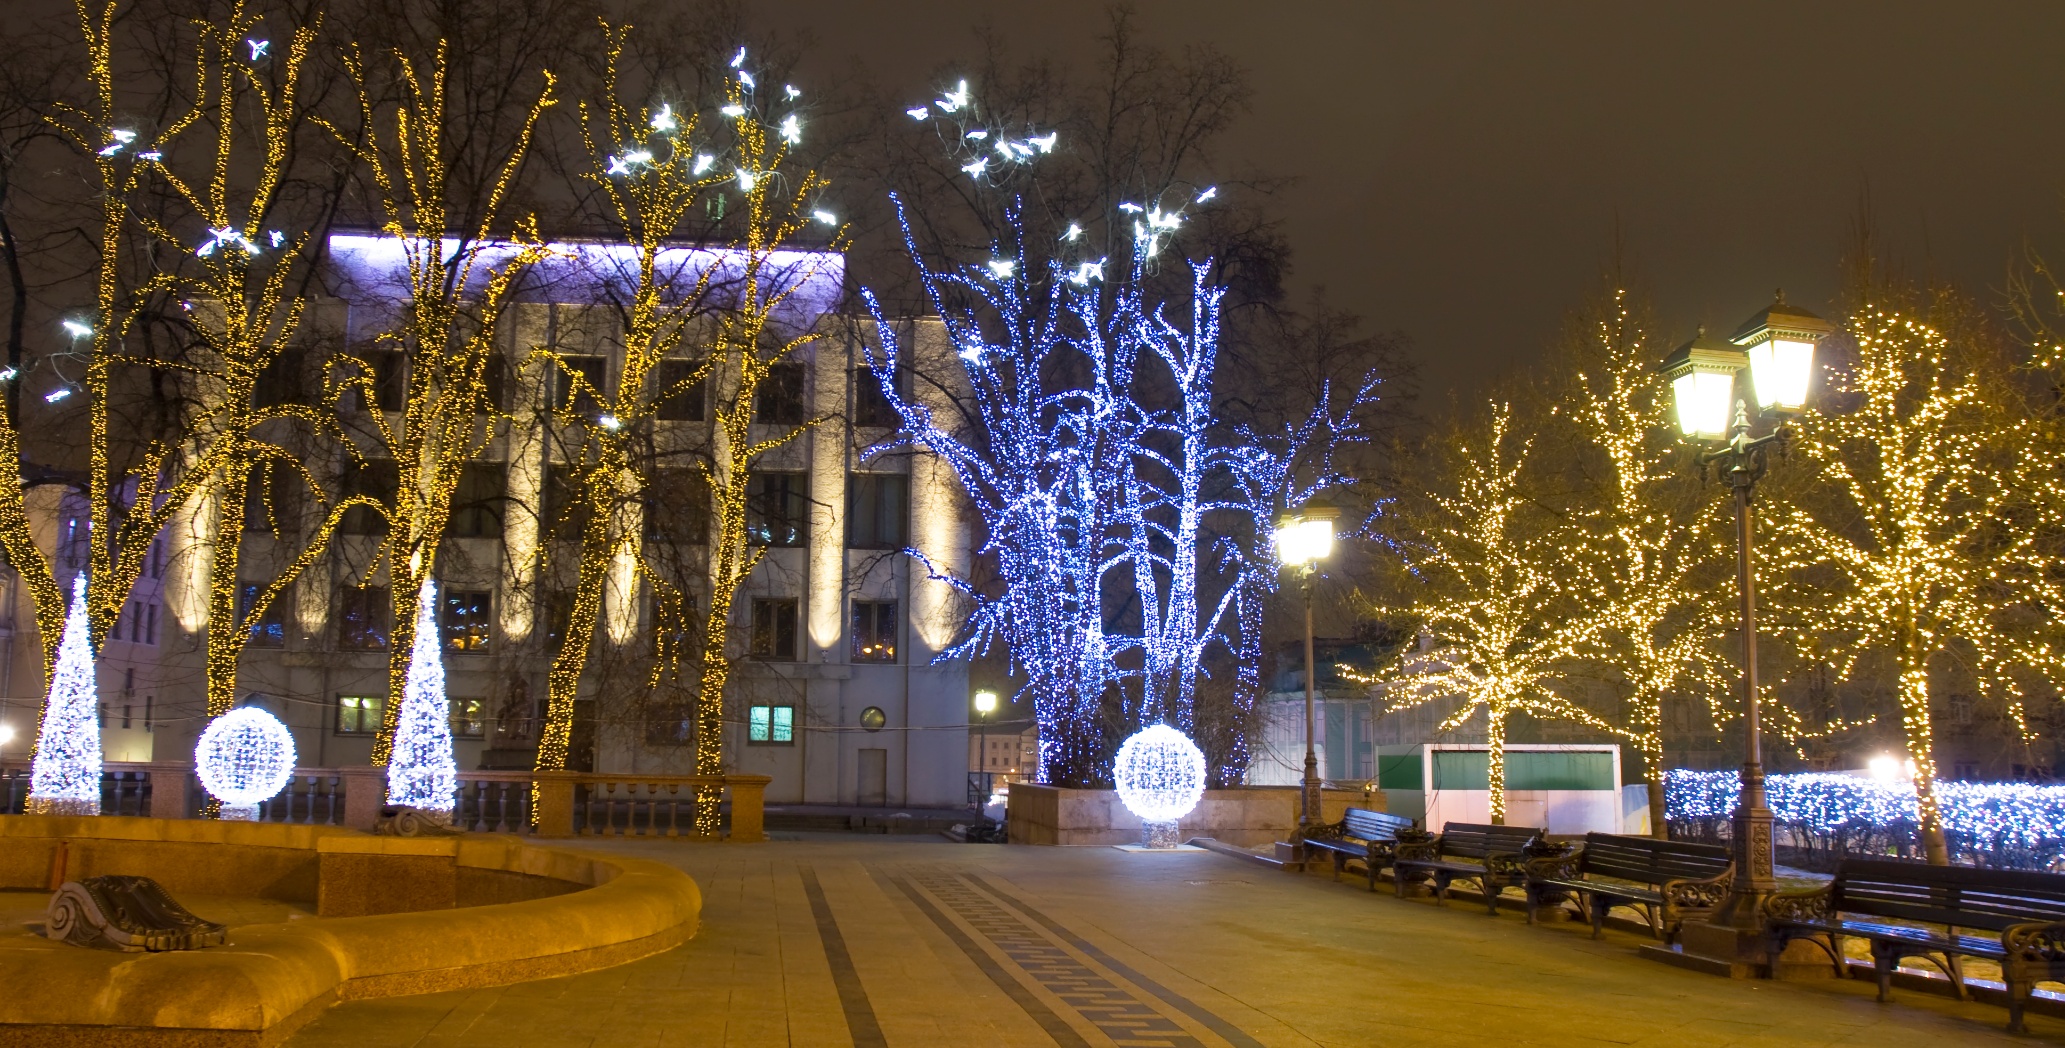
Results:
1366 825
1965 896
1651 861
1471 840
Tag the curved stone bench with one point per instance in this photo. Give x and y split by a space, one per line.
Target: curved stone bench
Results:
574 912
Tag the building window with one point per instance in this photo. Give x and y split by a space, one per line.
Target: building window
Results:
559 616
272 498
870 407
279 381
360 714
874 631
578 395
774 630
677 507
771 725
1964 771
777 509
390 379
670 724
150 621
679 399
362 617
566 504
494 386
376 479
268 630
467 721
477 502
465 622
779 397
877 510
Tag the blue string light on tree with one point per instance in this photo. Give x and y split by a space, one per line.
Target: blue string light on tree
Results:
423 773
65 778
244 757
1160 775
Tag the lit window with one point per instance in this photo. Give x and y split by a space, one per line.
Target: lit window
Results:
874 631
465 620
467 722
268 630
359 714
771 725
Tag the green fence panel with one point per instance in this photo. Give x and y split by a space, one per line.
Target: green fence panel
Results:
1400 771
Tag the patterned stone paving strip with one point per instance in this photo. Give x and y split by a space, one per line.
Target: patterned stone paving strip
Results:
853 997
1114 1012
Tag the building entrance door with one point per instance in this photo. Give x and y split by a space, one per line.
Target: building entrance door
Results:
874 778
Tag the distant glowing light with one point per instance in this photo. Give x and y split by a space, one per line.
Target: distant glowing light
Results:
733 110
746 180
976 166
739 59
1045 143
826 217
664 119
792 129
7 374
747 79
704 162
153 156
276 237
1086 272
918 113
609 422
1002 268
1209 193
56 395
122 137
953 100
1130 208
978 135
1075 232
791 92
78 328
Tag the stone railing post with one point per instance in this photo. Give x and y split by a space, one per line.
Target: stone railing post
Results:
554 813
365 790
171 786
748 801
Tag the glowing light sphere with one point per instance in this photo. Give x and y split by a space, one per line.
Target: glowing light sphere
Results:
1160 774
244 757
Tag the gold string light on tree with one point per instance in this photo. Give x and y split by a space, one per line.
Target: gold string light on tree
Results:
1493 582
1928 542
448 328
651 175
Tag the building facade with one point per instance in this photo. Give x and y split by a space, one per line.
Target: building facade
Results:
835 696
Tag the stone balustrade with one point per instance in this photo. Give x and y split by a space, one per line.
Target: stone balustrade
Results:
548 804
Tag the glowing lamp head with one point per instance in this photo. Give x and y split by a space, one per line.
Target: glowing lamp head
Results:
985 702
6 734
1780 342
1702 376
1160 774
1306 536
245 756
1890 769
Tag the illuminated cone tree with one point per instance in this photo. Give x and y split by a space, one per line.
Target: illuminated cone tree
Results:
65 778
422 771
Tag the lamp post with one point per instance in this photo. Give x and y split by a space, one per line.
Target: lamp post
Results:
1776 348
1304 537
985 704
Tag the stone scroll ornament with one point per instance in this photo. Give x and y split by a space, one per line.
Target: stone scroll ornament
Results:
131 914
1160 776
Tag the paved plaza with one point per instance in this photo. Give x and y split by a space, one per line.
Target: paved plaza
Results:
896 941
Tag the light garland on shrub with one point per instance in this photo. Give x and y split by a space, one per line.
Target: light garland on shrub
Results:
1985 816
244 757
422 772
65 778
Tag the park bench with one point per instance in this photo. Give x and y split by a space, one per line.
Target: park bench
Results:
1667 881
1493 857
1871 898
1361 834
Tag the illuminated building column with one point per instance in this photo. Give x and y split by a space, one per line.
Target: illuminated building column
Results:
827 571
620 588
525 478
939 527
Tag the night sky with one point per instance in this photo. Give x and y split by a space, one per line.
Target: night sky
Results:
1463 169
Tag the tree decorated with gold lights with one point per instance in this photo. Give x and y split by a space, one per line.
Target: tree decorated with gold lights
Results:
458 278
1926 544
753 334
1493 582
1638 507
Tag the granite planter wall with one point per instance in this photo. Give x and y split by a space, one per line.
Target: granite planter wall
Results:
1246 817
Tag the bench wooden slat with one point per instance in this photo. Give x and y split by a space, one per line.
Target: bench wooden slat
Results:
1483 842
1672 881
1361 834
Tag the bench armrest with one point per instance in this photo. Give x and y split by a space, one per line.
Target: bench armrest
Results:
1703 893
1325 831
1804 907
1506 864
1418 846
1555 867
2035 941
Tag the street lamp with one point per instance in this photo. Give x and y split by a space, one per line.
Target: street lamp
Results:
1304 538
1776 348
985 704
